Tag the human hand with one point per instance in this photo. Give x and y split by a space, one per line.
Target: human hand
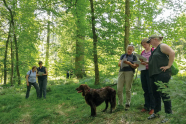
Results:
27 84
141 60
127 62
143 63
164 68
43 74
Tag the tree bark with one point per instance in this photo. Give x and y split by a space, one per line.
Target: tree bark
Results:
127 24
95 41
12 64
15 40
5 59
48 42
80 38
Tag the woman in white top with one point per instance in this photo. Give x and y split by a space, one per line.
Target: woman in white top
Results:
31 80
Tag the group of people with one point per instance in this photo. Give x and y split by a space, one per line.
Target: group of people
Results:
40 72
159 60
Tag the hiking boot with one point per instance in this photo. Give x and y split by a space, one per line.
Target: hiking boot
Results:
153 116
143 110
151 111
127 107
119 108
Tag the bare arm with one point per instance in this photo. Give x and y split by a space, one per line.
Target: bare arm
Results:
27 80
168 51
46 71
119 64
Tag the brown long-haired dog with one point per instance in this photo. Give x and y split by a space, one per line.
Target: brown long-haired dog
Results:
94 97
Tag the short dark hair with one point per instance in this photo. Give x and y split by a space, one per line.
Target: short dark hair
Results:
34 67
40 62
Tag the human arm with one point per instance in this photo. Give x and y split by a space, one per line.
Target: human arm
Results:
27 80
170 52
119 63
46 72
132 65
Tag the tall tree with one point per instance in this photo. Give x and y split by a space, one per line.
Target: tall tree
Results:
5 56
15 40
127 24
95 41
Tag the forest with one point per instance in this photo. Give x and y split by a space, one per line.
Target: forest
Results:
87 37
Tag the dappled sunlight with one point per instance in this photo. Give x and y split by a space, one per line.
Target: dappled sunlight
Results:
25 118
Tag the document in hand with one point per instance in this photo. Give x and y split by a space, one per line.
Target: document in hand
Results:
40 73
141 67
140 57
123 64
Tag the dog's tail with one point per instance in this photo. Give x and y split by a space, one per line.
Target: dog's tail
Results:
113 103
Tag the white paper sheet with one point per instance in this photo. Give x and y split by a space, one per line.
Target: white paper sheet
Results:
140 57
40 73
141 67
123 64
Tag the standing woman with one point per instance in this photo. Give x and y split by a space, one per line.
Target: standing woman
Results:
160 62
145 80
42 79
125 76
31 80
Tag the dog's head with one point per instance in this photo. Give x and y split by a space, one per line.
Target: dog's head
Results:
83 88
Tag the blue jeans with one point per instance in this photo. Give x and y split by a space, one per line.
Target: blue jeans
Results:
147 88
42 86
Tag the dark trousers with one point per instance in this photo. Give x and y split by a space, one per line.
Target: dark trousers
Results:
164 77
29 87
42 86
147 88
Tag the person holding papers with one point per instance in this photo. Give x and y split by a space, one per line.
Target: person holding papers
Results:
125 77
42 79
145 79
159 63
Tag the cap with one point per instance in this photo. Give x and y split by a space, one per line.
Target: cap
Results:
144 40
154 36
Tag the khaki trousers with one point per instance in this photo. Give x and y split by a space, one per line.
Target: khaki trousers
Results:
125 78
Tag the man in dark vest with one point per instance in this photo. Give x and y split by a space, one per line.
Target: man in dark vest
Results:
42 79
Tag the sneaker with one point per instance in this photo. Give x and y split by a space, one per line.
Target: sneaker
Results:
165 120
153 116
127 107
143 110
151 111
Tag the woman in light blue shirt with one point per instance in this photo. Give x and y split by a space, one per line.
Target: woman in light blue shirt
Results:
31 80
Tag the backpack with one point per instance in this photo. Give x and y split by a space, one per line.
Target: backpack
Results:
29 74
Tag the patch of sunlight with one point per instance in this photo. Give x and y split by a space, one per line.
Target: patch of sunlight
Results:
134 93
26 118
70 109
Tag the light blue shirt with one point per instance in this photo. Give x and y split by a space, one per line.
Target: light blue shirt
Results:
32 77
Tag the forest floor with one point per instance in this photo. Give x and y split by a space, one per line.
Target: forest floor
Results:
64 105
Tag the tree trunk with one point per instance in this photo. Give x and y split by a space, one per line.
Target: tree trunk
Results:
80 38
12 64
5 59
95 41
127 24
48 41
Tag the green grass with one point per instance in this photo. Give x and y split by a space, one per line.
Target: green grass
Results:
64 105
